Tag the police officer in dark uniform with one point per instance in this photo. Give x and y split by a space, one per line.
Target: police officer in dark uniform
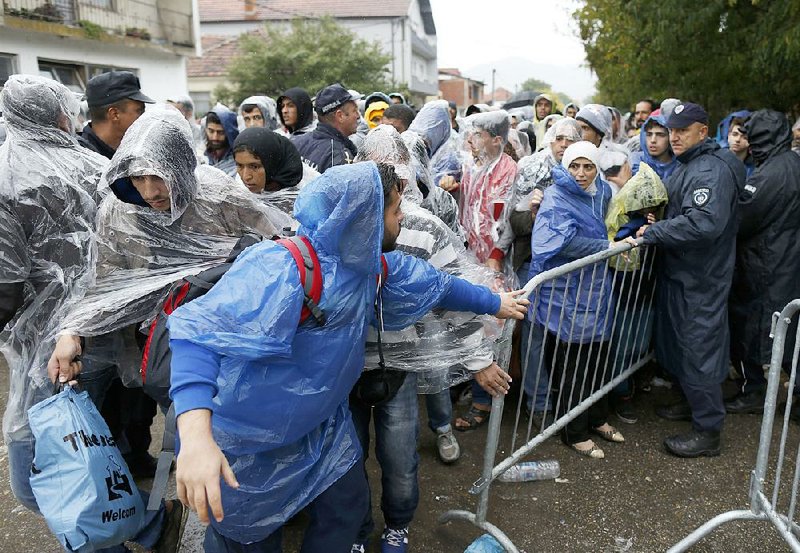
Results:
696 252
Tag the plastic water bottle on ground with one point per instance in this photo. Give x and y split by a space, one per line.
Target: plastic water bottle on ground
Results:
532 470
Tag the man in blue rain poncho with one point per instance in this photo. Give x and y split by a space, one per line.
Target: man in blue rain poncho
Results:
281 434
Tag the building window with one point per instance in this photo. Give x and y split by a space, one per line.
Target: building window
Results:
202 103
107 4
71 76
75 76
7 67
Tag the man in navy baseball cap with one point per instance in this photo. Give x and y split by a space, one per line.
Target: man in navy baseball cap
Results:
115 101
329 144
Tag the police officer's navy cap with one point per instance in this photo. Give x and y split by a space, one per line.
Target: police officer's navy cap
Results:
685 114
332 97
109 88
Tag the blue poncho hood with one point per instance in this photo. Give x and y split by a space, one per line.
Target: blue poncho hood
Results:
662 169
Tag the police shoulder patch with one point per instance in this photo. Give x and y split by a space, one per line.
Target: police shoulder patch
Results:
700 196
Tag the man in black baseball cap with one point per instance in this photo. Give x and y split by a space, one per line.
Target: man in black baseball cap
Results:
329 144
115 102
697 249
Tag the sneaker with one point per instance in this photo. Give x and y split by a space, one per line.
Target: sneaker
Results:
394 541
359 548
447 447
172 532
625 410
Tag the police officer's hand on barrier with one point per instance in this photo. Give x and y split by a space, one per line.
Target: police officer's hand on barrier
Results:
65 362
512 306
199 466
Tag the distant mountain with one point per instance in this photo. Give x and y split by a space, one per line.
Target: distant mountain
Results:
573 79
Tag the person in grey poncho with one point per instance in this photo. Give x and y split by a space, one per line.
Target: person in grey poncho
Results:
166 218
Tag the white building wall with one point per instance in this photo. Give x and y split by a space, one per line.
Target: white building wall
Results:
162 74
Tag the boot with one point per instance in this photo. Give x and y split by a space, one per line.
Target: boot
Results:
676 412
695 444
751 403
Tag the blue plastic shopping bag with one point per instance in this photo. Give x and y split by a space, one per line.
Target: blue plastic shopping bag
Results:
81 483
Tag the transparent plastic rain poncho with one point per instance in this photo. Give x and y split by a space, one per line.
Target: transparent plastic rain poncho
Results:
46 231
486 184
433 124
142 251
444 348
534 172
437 200
281 406
268 108
644 193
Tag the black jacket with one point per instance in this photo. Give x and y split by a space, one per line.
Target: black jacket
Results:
696 248
325 148
88 139
768 250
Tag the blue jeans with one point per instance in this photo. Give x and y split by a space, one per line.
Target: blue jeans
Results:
440 410
336 515
20 459
396 432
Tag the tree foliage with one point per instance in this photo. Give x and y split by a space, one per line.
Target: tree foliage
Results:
723 54
534 85
310 54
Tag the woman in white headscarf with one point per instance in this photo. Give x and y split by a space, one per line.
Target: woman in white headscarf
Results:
576 310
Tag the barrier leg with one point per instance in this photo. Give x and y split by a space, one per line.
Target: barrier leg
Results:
710 526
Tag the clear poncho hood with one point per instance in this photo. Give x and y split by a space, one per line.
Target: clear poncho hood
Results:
158 143
268 108
433 124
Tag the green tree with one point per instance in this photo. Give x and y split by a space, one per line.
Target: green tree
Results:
724 54
310 54
535 85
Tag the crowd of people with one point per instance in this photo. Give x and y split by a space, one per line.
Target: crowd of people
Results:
418 226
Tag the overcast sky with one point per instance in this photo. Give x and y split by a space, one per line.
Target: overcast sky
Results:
474 34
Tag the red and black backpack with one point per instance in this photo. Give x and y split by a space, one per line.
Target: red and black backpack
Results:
156 355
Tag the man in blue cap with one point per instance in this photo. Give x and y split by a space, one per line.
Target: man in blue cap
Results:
329 144
115 101
697 248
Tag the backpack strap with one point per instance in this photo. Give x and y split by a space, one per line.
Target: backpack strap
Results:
165 458
310 276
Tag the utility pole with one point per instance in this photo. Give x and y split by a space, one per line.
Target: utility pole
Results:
493 72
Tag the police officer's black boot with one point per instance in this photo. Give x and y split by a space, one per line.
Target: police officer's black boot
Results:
676 412
747 403
695 444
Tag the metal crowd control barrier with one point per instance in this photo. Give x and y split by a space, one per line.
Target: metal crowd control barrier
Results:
581 348
764 505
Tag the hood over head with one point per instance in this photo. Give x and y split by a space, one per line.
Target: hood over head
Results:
724 126
36 108
769 134
383 144
598 117
547 97
158 143
268 108
420 161
280 158
377 97
228 120
394 95
566 127
372 110
432 123
341 212
305 109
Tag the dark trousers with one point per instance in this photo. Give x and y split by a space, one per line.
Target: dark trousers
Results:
708 408
336 516
129 413
753 379
578 370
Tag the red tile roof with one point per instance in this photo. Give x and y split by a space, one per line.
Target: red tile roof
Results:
217 53
260 10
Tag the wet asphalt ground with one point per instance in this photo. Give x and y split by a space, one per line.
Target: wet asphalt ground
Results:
637 499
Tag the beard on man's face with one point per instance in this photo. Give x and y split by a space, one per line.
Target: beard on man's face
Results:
217 144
